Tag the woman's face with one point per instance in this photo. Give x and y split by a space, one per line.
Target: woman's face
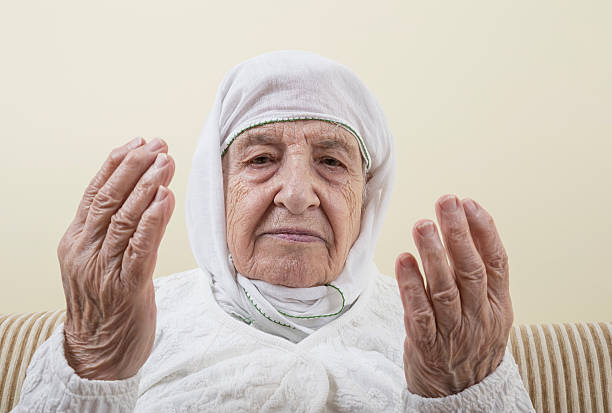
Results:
293 194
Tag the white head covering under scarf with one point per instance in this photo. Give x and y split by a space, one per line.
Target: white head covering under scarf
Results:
283 86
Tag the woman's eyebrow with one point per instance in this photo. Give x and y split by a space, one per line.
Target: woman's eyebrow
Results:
331 143
261 138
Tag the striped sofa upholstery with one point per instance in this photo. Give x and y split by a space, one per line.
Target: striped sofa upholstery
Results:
565 367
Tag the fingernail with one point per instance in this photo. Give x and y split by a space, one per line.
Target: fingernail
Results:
161 160
426 228
155 144
406 261
449 204
470 206
162 193
135 143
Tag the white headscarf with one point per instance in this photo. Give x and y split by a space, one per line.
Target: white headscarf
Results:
283 86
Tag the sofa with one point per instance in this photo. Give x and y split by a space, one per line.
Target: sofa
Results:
565 367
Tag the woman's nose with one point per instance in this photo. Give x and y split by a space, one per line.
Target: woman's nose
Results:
297 188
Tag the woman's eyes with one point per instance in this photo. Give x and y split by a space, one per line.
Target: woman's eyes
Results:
262 160
331 162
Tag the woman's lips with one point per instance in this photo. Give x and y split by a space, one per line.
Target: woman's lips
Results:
295 236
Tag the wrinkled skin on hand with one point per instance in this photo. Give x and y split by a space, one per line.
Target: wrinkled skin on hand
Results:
107 257
458 326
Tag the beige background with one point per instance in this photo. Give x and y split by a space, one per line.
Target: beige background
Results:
506 102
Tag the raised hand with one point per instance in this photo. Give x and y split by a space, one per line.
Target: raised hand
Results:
458 326
107 257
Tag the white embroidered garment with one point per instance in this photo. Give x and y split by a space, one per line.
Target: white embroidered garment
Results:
204 360
281 86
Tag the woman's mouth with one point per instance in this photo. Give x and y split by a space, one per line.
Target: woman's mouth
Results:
295 235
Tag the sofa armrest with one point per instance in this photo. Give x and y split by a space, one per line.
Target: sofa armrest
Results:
20 335
565 367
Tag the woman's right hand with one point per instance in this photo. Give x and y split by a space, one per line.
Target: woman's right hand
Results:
107 257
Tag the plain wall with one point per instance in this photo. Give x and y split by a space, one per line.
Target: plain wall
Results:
509 103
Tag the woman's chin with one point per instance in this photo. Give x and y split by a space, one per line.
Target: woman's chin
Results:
289 270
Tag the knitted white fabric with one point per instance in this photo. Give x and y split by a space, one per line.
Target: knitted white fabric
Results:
203 360
281 86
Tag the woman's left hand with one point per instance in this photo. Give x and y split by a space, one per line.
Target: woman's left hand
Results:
458 326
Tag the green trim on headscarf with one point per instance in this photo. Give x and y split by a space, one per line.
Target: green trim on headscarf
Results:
319 316
264 314
295 316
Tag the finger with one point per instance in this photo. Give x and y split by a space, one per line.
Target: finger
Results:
124 222
470 272
111 163
443 290
419 317
140 256
116 190
491 249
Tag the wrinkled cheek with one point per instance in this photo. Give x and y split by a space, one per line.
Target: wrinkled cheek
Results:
344 212
235 215
244 210
352 201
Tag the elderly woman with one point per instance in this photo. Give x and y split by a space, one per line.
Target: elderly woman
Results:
286 311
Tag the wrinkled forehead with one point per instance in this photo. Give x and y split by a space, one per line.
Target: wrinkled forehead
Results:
313 132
